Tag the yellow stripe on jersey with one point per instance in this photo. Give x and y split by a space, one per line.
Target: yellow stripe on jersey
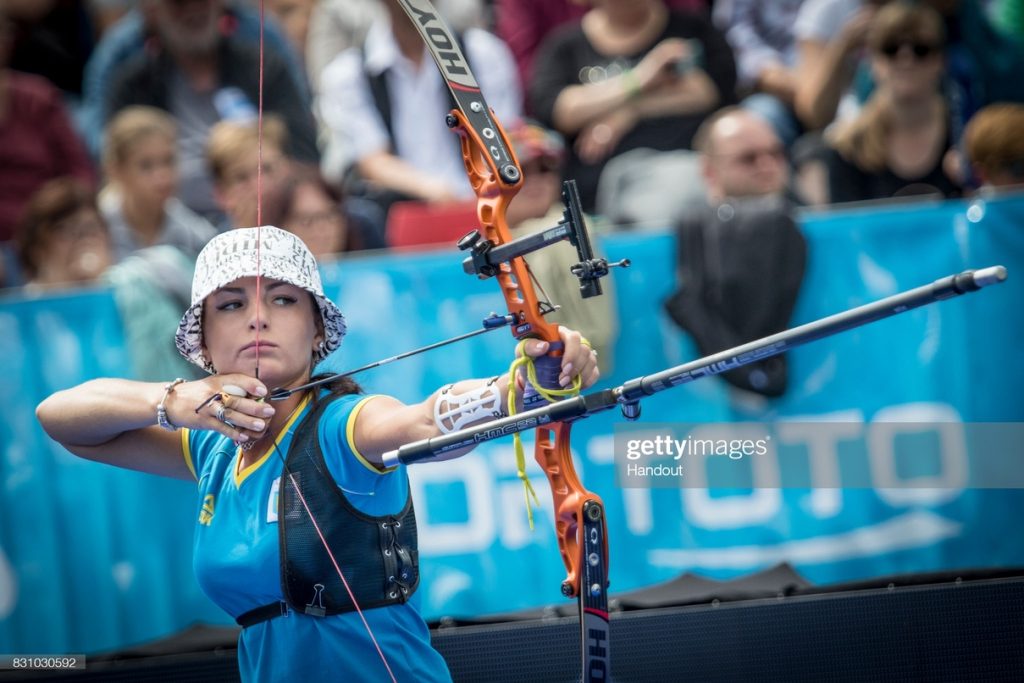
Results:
187 452
241 475
350 432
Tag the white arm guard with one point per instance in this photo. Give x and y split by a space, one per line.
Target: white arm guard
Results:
453 412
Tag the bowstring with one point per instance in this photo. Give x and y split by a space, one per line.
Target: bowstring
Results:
277 450
259 189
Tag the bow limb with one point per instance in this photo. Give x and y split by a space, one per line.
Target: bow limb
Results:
552 446
495 176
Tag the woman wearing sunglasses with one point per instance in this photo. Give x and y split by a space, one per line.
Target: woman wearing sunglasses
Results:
897 144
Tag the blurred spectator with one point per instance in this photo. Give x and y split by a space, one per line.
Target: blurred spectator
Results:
541 153
538 207
631 75
233 158
136 31
62 240
65 243
309 207
106 13
293 16
983 65
761 36
386 103
523 25
139 206
741 256
741 157
830 37
337 25
896 145
340 25
1008 17
52 39
203 73
994 141
37 141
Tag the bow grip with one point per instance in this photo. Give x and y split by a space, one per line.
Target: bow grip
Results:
548 368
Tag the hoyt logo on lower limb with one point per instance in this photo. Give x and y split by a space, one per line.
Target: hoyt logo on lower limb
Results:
597 664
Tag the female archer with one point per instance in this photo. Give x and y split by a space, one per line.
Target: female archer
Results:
302 535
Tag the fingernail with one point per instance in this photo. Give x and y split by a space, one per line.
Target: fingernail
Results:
258 425
261 391
563 381
243 437
268 411
567 368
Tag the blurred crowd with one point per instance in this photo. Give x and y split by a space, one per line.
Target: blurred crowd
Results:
129 132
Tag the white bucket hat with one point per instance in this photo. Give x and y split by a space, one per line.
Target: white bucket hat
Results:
233 255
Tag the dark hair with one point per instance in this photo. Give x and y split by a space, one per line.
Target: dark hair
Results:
339 387
52 203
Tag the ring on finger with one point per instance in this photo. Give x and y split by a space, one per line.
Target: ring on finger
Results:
221 410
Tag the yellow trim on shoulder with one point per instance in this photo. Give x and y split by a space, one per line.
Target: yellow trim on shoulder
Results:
187 452
350 434
241 475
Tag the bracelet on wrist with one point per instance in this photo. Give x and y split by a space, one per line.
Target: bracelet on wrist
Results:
161 408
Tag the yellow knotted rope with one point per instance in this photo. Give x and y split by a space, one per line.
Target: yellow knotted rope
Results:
550 395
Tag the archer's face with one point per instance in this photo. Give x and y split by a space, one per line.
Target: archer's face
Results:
287 332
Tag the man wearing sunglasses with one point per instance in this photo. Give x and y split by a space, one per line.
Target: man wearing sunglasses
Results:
743 237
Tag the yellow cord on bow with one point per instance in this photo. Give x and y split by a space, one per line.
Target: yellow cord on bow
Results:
550 395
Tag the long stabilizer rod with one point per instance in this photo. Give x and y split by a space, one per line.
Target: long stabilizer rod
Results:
629 394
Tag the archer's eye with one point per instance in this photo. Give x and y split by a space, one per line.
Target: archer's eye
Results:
229 305
284 300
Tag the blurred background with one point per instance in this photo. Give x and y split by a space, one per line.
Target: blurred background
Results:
762 165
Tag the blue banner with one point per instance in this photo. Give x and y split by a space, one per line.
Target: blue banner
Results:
93 558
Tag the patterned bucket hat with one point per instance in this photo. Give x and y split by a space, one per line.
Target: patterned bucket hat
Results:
233 255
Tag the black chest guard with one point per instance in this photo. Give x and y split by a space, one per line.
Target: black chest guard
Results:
377 555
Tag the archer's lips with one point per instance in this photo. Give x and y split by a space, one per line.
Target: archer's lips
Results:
257 347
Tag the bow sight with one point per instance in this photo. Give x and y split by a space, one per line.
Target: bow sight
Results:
485 257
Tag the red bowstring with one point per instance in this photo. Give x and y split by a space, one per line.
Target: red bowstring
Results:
259 190
337 568
259 227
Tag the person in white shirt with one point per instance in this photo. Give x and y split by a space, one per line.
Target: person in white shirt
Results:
402 145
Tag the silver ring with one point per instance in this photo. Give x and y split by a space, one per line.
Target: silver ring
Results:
221 410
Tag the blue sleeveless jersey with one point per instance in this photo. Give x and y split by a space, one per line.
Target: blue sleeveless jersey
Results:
237 560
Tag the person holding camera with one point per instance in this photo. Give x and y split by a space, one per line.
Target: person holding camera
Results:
632 74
